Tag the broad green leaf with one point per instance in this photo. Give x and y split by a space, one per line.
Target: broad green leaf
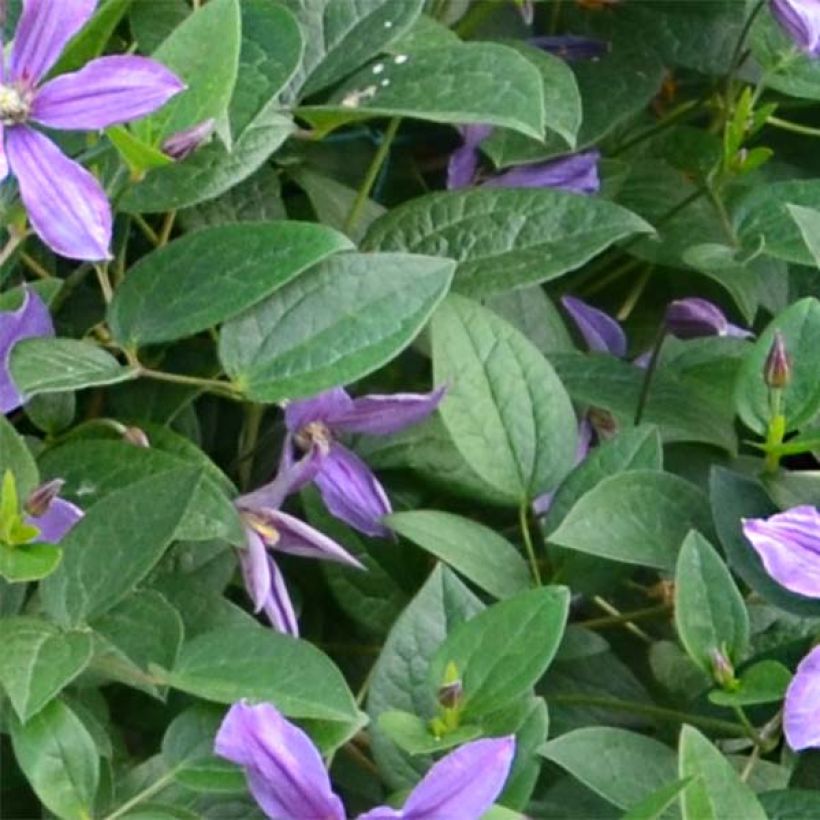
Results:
256 662
532 312
60 760
716 792
764 682
138 155
655 806
461 83
116 545
506 410
787 69
212 275
710 614
151 24
47 365
414 736
495 654
38 661
800 326
638 517
476 551
338 322
28 562
504 239
15 456
622 767
790 804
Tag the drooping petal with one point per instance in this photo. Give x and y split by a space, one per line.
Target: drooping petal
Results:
31 319
600 331
65 203
278 607
56 521
285 772
382 415
463 162
802 705
292 476
693 317
571 47
298 538
801 21
44 29
577 173
789 546
323 407
352 493
253 560
107 91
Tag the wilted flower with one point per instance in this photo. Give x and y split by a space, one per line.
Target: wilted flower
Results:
53 516
287 778
801 21
268 529
802 704
463 163
181 145
692 317
349 489
67 206
577 173
777 371
788 544
571 47
31 319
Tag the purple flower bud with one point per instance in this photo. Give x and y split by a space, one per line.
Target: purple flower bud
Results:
693 317
600 331
722 670
801 21
777 371
570 47
51 515
40 499
135 436
451 691
802 704
577 173
181 145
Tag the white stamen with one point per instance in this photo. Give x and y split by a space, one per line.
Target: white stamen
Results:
378 68
400 58
385 82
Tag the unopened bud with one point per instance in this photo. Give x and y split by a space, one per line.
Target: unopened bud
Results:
693 317
39 501
778 368
181 145
135 436
451 691
722 670
603 422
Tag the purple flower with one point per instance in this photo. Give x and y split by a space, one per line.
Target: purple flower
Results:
66 205
52 515
31 319
181 145
287 778
349 489
789 547
268 529
570 47
801 21
577 173
692 317
600 331
463 163
803 704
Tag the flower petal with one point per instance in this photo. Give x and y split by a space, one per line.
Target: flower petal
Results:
571 47
107 91
381 813
31 319
298 538
286 775
352 493
801 21
463 162
600 331
253 560
56 521
300 413
802 704
382 415
292 476
65 203
789 546
693 317
279 607
44 29
577 173
4 160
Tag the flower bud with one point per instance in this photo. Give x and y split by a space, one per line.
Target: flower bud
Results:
181 145
40 499
778 368
135 436
693 317
800 19
722 670
451 691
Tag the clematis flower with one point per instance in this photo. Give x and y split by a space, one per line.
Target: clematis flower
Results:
463 163
268 529
31 319
788 544
66 205
287 778
577 173
349 489
51 515
802 704
600 331
800 19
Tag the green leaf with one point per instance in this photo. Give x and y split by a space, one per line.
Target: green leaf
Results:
787 69
93 37
139 156
459 83
504 239
656 805
256 662
639 517
60 760
532 312
494 652
47 365
15 456
522 445
790 804
764 682
413 735
476 551
334 324
38 661
116 545
212 275
622 767
28 562
716 791
710 613
800 326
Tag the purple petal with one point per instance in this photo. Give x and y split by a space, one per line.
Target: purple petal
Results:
570 47
692 317
107 91
352 493
44 29
285 772
30 320
541 505
381 813
298 538
4 160
600 331
181 145
382 415
577 173
802 704
65 203
789 546
463 162
279 608
323 407
738 332
292 476
801 21
56 521
253 560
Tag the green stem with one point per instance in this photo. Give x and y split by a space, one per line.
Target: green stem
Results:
615 613
247 443
737 54
681 112
528 545
634 295
223 388
105 282
34 266
649 374
794 127
626 617
149 232
372 174
167 226
149 791
747 724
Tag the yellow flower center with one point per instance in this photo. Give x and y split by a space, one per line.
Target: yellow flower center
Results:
15 105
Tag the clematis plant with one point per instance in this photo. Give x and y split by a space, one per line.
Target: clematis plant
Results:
66 205
53 516
288 779
348 487
800 19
